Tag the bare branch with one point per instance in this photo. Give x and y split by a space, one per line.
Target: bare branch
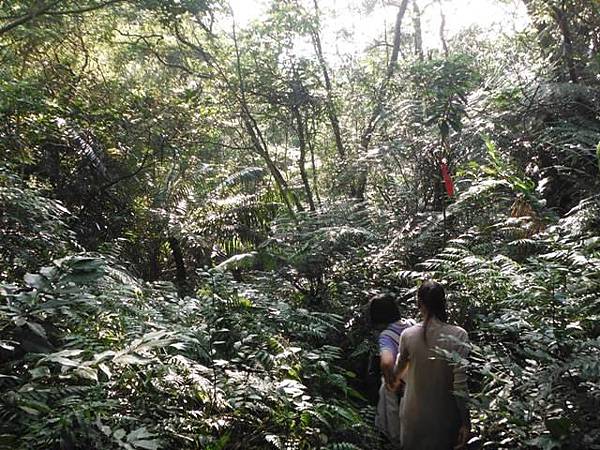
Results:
45 9
84 9
150 47
35 12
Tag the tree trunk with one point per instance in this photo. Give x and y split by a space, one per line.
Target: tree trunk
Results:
302 160
367 134
358 190
154 263
330 106
546 41
38 10
418 31
314 167
43 8
282 186
562 20
259 142
443 29
180 272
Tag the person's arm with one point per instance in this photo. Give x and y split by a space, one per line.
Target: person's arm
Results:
386 356
461 392
400 366
386 363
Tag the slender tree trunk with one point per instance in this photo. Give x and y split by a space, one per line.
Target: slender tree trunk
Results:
259 142
43 8
180 272
546 41
302 160
313 166
154 255
39 10
330 105
358 190
393 62
560 15
367 134
282 186
443 29
418 31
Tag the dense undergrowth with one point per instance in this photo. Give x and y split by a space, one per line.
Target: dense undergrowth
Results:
108 361
194 215
94 357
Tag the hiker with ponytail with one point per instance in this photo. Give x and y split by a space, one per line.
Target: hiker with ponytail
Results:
433 411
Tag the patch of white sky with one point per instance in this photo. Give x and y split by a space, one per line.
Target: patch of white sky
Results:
347 28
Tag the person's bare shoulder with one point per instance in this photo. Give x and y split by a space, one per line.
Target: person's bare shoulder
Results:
412 331
460 332
459 338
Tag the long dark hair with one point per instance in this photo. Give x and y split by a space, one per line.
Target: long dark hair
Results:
431 295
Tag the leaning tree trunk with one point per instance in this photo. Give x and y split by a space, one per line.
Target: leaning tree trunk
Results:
258 141
312 162
154 261
330 105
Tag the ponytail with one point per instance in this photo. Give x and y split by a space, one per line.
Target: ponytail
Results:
431 295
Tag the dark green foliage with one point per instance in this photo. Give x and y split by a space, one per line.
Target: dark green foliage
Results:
93 357
534 325
442 86
184 263
34 228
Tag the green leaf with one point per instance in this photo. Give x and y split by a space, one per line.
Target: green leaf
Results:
67 353
147 444
139 439
119 434
104 368
63 358
85 263
242 261
37 329
28 410
103 355
11 377
104 428
87 372
39 372
138 433
6 346
131 359
34 408
19 321
66 362
35 280
48 272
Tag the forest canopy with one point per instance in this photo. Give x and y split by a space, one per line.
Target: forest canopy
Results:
198 199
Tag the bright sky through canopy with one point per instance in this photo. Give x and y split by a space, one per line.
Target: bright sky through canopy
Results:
494 16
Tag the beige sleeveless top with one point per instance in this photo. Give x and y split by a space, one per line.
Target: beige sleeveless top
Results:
429 414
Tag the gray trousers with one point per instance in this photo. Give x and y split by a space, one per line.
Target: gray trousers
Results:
387 419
